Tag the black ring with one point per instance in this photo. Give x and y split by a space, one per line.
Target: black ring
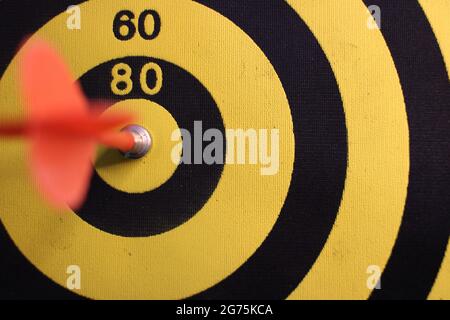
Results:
312 203
303 226
188 189
422 239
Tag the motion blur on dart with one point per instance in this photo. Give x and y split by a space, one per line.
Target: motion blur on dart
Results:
62 127
225 150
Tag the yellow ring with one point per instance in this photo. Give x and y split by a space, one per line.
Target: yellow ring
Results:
239 214
156 167
378 162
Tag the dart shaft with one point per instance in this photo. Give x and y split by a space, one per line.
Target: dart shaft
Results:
13 130
133 141
124 140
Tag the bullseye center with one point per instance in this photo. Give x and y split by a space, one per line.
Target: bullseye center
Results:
142 141
149 163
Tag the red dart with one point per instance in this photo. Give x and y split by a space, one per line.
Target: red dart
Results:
61 127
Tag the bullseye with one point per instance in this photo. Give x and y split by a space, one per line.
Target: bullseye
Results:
142 141
149 165
135 149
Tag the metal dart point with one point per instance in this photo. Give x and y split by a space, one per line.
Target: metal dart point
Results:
142 141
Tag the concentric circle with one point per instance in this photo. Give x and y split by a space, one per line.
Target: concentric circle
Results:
423 235
364 148
146 202
320 164
166 263
378 152
153 169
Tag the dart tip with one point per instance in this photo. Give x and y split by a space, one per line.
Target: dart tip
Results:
142 141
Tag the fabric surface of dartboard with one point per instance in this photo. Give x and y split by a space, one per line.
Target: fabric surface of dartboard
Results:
356 209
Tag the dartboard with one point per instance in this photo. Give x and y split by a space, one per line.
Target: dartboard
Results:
347 196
